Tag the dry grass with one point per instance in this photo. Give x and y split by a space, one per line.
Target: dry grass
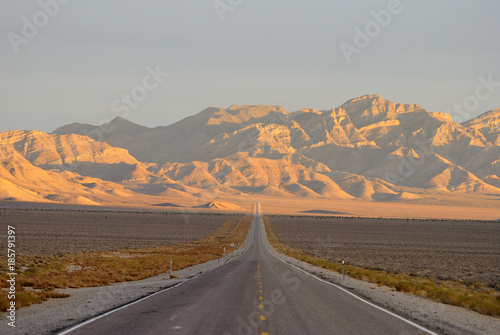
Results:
475 297
44 274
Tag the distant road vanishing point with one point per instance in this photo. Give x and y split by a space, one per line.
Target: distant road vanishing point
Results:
255 293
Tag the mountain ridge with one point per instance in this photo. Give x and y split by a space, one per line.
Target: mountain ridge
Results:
368 148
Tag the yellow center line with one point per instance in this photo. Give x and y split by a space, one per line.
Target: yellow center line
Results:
262 317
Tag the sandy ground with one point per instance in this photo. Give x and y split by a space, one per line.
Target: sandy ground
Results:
304 206
432 205
441 318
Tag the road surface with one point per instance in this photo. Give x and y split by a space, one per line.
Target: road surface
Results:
253 294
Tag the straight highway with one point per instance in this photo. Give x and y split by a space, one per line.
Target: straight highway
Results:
255 293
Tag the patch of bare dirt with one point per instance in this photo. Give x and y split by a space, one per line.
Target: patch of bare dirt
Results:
46 232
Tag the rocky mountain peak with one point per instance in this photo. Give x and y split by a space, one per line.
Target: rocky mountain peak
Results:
367 148
491 117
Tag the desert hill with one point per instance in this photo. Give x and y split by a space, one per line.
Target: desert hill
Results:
220 205
368 148
488 124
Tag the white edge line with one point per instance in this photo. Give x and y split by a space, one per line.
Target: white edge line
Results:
95 318
355 296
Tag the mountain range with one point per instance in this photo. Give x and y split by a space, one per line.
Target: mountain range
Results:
368 148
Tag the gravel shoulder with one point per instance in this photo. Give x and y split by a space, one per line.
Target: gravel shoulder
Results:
441 318
56 315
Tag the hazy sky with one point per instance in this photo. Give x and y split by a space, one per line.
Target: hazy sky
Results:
83 59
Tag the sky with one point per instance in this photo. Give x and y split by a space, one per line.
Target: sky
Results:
155 62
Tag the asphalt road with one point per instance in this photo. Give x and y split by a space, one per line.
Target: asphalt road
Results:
253 294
